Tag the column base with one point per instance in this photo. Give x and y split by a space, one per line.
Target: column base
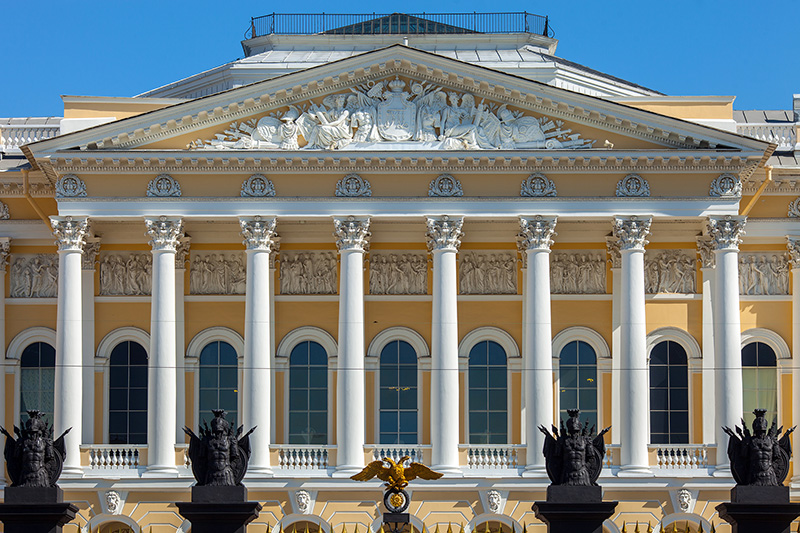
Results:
72 471
722 471
448 470
258 471
160 471
347 470
535 471
635 471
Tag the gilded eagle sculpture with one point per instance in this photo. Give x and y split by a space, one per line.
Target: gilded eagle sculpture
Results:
396 475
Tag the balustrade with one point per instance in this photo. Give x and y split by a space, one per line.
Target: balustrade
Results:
114 456
396 451
784 135
491 457
681 456
302 457
12 136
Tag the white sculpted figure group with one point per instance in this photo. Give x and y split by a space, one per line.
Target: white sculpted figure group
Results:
126 274
425 116
217 273
577 273
34 276
308 273
671 271
488 273
763 274
398 274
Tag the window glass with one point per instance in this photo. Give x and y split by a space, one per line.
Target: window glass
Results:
577 381
398 394
127 394
219 381
308 394
37 380
669 394
488 394
759 380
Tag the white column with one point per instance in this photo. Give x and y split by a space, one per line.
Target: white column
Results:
90 250
631 232
165 234
793 244
535 238
352 238
444 238
181 255
708 377
615 258
259 240
5 246
725 233
69 234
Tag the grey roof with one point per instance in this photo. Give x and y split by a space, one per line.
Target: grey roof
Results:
761 116
784 159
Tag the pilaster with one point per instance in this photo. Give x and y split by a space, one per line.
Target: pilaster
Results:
793 246
181 256
706 252
90 252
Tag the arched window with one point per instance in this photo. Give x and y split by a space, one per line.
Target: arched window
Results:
398 396
577 378
488 389
759 380
219 382
37 380
127 394
669 394
308 394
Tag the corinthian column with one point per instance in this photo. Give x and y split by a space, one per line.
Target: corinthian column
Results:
165 235
534 239
793 244
726 233
260 241
69 381
631 233
352 238
444 238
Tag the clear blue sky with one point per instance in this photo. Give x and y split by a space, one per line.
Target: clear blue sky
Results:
121 48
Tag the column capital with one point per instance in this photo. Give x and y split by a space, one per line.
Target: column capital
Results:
726 232
536 233
706 251
614 255
352 233
259 233
444 233
91 249
165 233
70 233
182 252
793 245
631 232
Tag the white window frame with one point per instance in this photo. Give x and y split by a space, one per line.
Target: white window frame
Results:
783 355
22 340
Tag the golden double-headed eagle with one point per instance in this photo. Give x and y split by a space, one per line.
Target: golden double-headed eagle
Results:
395 475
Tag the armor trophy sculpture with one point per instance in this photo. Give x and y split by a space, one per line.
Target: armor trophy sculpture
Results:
219 459
34 503
759 464
574 459
396 475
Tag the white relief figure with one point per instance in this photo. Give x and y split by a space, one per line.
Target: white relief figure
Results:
289 130
125 274
494 500
764 275
398 274
217 273
670 272
488 273
516 129
308 273
429 116
363 118
34 276
577 273
327 126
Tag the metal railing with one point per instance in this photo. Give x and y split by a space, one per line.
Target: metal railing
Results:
784 135
397 23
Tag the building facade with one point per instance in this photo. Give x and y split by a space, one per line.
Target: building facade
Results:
388 236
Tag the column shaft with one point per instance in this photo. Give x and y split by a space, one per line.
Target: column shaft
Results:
90 251
181 255
612 246
793 245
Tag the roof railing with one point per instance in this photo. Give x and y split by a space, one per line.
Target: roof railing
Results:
397 24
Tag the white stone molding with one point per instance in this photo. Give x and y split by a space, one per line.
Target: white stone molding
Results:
487 273
793 246
670 333
303 501
307 333
182 252
794 208
444 233
285 524
398 333
258 186
163 185
308 273
165 233
631 232
4 214
212 334
536 233
112 501
669 272
259 233
70 186
768 337
28 336
69 232
726 186
613 252
352 233
538 185
353 186
633 185
113 338
581 333
705 250
91 250
683 500
445 185
99 520
217 273
577 272
126 274
488 333
400 273
494 501
764 273
726 232
33 276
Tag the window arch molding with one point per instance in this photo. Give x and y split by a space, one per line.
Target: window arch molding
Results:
476 523
581 333
128 333
213 334
286 522
488 333
685 339
27 337
307 333
398 333
768 337
102 519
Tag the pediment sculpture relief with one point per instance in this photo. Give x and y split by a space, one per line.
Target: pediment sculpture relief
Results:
400 115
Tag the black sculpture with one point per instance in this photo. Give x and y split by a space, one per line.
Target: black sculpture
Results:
219 456
574 457
760 458
34 459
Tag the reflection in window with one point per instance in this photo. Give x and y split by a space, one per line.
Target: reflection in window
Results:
398 396
759 380
37 380
669 394
219 381
308 394
127 394
577 379
488 389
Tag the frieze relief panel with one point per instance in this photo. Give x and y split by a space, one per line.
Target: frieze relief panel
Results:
34 276
126 274
487 273
398 273
396 114
217 273
763 273
577 273
308 273
670 272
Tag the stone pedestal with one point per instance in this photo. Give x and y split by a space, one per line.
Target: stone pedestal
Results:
569 509
759 510
219 510
35 510
396 522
